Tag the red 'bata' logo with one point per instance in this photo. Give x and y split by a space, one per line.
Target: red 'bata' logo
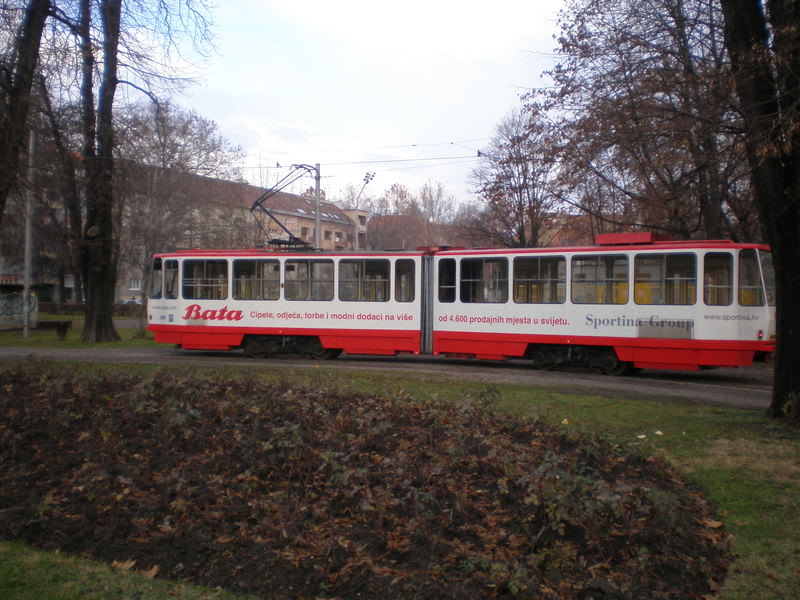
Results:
223 314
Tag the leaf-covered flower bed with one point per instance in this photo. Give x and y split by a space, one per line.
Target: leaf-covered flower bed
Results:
303 493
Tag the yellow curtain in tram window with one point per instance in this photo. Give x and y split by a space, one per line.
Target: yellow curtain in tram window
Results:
621 292
691 293
642 292
750 296
535 293
718 295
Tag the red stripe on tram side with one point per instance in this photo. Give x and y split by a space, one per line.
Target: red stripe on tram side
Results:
655 353
351 341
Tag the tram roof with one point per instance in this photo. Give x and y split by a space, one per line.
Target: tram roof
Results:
606 242
266 252
603 243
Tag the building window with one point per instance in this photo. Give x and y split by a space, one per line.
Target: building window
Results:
362 220
135 284
304 233
327 235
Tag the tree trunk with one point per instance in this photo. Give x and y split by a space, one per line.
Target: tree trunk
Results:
17 81
768 86
99 251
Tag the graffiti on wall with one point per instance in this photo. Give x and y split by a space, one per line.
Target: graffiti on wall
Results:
12 311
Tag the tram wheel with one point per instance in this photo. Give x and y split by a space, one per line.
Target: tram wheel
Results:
325 353
611 365
254 347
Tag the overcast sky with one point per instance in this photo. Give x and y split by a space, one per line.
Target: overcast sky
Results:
364 86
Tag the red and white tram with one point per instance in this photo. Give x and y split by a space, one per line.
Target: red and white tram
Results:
629 302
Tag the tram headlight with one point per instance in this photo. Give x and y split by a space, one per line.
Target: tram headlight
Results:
760 334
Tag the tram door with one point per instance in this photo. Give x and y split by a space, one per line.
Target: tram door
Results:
427 305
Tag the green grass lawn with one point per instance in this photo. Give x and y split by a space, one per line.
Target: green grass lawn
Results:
747 465
130 329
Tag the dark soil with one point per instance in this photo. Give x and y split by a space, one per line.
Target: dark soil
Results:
302 493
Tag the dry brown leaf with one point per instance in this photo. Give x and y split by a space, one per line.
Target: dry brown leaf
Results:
124 565
151 572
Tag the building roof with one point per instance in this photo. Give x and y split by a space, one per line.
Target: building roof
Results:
234 194
301 206
244 195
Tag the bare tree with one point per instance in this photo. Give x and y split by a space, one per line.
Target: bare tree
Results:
647 113
18 63
764 43
513 181
115 42
402 219
163 154
65 179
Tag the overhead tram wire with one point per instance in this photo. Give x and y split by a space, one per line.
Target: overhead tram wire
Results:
458 143
398 160
294 175
428 166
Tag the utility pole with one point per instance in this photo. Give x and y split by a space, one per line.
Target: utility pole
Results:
317 228
26 278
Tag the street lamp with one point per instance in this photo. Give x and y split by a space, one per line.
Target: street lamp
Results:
367 178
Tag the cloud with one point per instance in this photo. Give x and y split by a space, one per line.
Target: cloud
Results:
332 81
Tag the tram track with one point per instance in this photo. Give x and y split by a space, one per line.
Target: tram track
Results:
745 387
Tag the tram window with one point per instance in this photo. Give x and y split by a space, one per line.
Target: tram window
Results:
665 279
447 280
484 280
600 279
171 279
717 279
364 280
768 272
205 279
156 279
751 292
308 280
540 279
404 280
256 279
